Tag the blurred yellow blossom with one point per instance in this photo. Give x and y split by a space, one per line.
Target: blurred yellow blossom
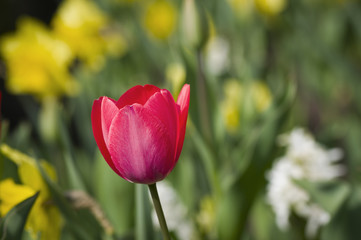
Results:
12 194
271 7
243 8
261 96
86 29
248 99
160 19
207 216
44 219
37 62
231 105
125 2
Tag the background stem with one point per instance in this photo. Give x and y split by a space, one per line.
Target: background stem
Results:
144 230
203 110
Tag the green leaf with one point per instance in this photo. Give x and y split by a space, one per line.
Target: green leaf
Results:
329 195
73 174
206 156
235 205
81 222
12 226
263 223
346 223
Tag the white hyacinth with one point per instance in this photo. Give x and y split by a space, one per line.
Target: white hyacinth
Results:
304 159
175 212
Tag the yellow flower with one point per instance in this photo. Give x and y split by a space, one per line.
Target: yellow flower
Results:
12 194
37 62
231 105
261 96
126 2
243 100
160 19
271 7
231 114
207 215
44 219
243 8
86 29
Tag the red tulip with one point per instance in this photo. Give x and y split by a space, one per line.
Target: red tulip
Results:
141 135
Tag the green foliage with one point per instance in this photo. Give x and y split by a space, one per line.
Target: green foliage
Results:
12 225
306 54
330 195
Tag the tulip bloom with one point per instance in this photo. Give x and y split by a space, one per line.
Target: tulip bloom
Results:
141 135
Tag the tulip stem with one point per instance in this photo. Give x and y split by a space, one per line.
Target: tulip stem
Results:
159 211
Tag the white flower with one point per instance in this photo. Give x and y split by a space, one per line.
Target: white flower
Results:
304 159
175 212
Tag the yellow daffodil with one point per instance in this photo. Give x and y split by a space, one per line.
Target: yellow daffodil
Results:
44 219
261 96
160 19
271 7
12 194
86 29
37 62
207 215
231 105
241 99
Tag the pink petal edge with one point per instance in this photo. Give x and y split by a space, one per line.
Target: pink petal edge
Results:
98 134
137 94
183 103
108 112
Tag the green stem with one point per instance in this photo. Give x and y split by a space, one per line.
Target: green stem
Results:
159 211
202 99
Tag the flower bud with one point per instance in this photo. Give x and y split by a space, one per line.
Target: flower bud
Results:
194 25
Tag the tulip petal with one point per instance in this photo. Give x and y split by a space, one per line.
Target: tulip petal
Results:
137 94
108 111
138 143
183 103
162 105
98 133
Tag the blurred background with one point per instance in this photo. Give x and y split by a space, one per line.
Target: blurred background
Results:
272 143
